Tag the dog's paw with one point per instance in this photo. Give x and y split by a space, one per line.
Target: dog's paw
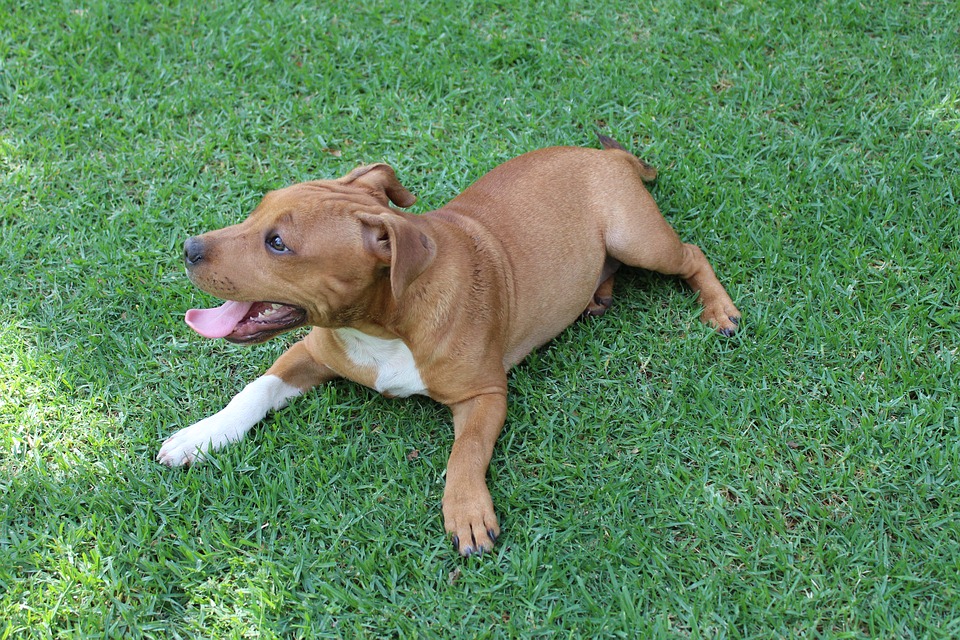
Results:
470 521
724 317
188 446
598 306
185 447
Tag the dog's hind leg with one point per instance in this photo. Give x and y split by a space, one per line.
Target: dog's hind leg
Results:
603 297
641 237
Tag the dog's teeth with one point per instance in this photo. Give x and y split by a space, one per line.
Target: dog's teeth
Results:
269 311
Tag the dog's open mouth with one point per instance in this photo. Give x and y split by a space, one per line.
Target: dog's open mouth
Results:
245 321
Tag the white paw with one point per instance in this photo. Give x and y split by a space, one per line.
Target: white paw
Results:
248 407
189 445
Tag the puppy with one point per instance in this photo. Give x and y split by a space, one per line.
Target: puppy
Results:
440 304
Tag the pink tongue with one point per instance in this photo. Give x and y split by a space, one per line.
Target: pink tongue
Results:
219 322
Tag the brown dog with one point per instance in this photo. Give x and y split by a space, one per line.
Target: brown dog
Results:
440 304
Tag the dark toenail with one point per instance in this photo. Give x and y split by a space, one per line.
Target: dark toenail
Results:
456 543
735 320
727 332
492 534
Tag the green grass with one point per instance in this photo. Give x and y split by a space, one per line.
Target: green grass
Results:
653 479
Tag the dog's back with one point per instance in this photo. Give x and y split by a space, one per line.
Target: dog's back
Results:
551 210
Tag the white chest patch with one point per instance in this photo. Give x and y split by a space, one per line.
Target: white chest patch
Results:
397 373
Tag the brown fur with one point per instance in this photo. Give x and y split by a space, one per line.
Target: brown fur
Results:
470 288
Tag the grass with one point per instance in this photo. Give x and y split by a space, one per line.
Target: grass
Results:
654 479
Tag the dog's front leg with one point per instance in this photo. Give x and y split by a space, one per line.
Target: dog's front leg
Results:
292 374
468 514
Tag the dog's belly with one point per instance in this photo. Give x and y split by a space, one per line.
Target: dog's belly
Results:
391 360
550 298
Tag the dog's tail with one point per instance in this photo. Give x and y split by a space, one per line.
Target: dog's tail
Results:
648 173
609 143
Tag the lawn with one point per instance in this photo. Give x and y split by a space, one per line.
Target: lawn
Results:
654 479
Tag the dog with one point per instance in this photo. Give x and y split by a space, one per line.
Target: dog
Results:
441 304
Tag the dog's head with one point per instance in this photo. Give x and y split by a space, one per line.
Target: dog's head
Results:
322 253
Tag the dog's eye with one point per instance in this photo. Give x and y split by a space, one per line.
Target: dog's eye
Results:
276 244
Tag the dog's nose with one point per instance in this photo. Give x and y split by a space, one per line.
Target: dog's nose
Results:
192 251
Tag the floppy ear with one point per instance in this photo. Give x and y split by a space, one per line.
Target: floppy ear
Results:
381 181
399 243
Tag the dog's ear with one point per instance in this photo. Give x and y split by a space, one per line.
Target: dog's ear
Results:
399 243
381 181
